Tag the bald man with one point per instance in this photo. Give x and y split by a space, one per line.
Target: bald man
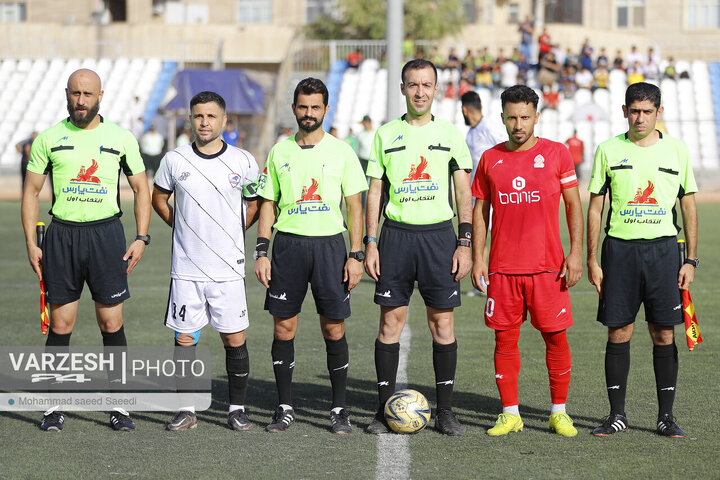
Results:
85 243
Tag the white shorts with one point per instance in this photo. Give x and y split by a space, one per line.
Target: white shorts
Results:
192 305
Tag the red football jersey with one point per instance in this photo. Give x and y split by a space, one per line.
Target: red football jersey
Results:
524 190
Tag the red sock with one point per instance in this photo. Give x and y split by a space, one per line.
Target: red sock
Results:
557 356
507 365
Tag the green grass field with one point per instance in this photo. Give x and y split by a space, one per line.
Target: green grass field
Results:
89 448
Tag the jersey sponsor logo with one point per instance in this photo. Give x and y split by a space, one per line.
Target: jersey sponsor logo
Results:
86 175
234 179
643 208
520 196
418 181
262 178
417 172
539 162
308 193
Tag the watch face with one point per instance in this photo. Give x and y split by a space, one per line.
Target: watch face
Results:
359 256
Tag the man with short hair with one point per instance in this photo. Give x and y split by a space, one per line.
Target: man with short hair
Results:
152 146
645 171
215 202
414 162
230 134
305 180
85 242
523 180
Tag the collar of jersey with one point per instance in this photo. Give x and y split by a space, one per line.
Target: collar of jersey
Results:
206 156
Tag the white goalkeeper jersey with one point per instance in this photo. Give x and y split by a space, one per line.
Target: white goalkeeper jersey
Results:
209 210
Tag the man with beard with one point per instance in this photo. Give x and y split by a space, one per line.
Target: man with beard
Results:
414 162
85 241
306 177
523 180
215 201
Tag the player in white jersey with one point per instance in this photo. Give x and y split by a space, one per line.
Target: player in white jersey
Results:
481 136
215 201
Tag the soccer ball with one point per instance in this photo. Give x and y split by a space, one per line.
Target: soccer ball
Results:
407 411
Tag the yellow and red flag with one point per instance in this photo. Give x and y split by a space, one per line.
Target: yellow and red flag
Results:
692 330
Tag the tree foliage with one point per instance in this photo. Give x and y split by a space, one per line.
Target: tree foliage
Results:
365 20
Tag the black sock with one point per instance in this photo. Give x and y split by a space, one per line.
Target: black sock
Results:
387 357
617 367
57 340
283 357
115 339
338 360
665 364
237 364
444 363
184 383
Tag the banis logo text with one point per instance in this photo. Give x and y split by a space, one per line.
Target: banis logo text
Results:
520 195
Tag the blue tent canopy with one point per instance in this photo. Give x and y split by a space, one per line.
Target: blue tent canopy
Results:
242 95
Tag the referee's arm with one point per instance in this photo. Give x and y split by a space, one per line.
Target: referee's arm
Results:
690 226
372 218
139 184
594 219
462 258
29 213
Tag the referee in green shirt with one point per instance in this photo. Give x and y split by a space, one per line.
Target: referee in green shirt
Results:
414 162
643 172
306 178
85 242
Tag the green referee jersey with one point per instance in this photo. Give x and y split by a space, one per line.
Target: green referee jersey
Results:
309 182
85 167
643 183
418 163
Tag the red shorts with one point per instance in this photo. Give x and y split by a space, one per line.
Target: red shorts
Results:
510 297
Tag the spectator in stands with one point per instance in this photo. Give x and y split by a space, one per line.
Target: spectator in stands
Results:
333 132
577 148
508 74
437 57
523 68
152 148
137 127
584 78
23 148
549 70
527 32
354 58
408 47
352 140
486 57
634 56
551 97
586 52
559 54
483 77
453 61
602 59
468 61
184 137
619 63
651 66
567 81
602 77
635 73
670 71
515 55
450 90
465 86
284 134
544 43
365 139
230 134
571 60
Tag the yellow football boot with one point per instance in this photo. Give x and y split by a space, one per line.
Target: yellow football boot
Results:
506 423
562 424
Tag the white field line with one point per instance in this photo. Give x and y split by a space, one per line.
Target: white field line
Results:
393 451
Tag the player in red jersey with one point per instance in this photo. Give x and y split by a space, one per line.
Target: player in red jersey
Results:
523 180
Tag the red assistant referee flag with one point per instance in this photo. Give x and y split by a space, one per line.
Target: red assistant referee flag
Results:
692 331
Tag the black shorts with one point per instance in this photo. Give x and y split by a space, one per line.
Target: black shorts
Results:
92 252
421 253
640 271
297 260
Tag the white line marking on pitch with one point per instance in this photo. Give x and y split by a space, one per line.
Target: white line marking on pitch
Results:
393 451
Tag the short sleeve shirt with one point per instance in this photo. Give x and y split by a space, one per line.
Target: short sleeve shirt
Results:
85 166
417 164
209 210
644 184
309 184
524 190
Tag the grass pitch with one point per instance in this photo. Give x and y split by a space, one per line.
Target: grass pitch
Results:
88 448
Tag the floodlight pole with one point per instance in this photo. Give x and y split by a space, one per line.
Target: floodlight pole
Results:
394 34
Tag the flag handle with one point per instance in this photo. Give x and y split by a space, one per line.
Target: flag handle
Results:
44 313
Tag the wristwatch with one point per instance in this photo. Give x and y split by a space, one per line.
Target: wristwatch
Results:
462 242
359 255
144 238
257 254
367 240
692 262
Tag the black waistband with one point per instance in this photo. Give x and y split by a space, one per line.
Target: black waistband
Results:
91 223
645 240
417 228
308 237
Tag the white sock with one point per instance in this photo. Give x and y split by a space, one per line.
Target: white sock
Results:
236 407
190 409
557 407
512 409
285 406
336 409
